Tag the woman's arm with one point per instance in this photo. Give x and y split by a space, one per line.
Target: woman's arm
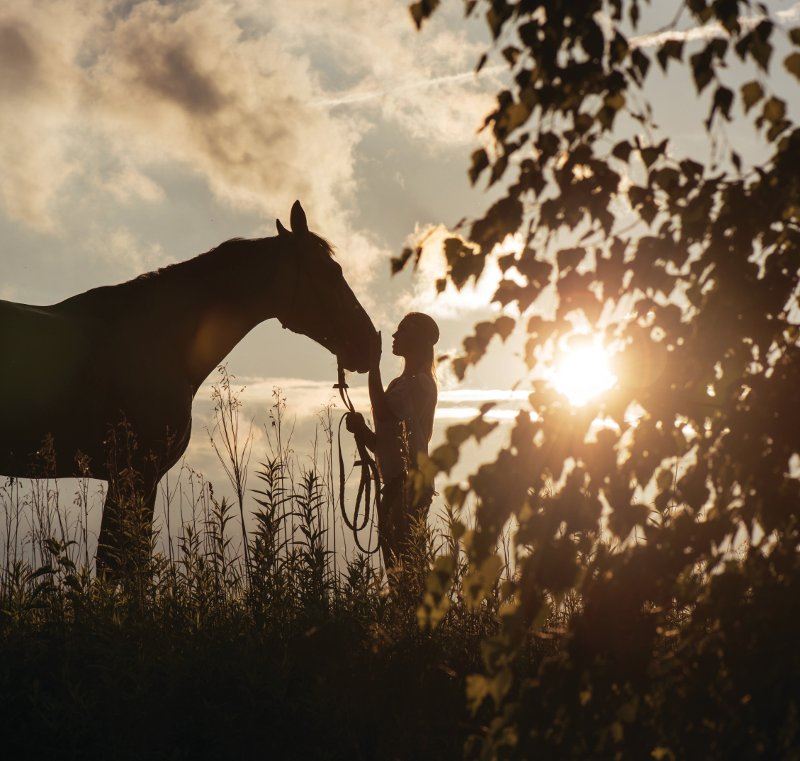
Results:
377 396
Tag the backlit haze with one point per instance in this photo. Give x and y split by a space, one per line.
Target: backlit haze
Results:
134 135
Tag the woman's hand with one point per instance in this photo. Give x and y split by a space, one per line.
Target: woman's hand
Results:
375 349
354 422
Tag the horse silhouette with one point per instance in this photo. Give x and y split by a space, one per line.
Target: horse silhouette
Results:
132 356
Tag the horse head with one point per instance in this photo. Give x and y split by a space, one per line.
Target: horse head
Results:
318 302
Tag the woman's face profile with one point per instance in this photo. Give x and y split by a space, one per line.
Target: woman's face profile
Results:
403 339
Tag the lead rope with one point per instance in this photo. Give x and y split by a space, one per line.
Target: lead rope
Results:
369 473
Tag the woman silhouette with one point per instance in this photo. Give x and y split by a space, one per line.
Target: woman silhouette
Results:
403 416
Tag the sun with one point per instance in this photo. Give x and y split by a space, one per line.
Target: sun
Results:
582 373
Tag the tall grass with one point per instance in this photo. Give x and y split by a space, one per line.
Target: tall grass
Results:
274 620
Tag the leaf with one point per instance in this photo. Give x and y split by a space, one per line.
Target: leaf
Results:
792 64
511 54
398 262
615 101
670 49
41 571
774 110
422 10
662 754
504 325
701 69
436 600
503 218
641 62
477 691
480 580
567 258
752 92
723 99
513 116
462 261
444 457
622 150
480 160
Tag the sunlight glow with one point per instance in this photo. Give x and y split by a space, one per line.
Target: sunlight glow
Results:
582 373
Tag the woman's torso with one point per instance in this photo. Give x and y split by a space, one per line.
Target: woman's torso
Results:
406 432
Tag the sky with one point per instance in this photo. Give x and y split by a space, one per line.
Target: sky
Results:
137 134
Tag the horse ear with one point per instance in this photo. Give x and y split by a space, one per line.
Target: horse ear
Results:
282 231
298 219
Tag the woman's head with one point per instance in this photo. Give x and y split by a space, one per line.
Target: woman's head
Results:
414 340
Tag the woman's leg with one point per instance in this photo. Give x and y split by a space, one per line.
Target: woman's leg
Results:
400 516
391 510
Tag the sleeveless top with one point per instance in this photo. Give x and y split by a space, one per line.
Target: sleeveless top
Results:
403 434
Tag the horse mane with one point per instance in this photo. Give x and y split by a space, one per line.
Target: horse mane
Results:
119 297
210 257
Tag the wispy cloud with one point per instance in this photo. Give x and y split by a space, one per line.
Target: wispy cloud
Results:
498 414
353 97
374 45
305 399
122 246
482 395
711 31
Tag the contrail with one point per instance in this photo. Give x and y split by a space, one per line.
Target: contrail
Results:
710 31
706 32
418 84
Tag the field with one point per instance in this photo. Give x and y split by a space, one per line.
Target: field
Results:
302 651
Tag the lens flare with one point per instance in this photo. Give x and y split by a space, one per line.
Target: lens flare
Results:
582 373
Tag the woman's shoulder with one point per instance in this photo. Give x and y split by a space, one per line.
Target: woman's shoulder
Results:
414 385
424 382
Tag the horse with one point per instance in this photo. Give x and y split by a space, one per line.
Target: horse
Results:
125 362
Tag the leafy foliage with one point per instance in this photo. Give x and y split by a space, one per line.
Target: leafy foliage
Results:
677 523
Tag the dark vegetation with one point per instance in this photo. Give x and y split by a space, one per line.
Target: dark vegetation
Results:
300 651
670 505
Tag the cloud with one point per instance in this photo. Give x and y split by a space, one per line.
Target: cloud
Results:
497 414
127 184
183 83
306 399
38 98
392 67
242 93
122 247
483 395
7 292
89 85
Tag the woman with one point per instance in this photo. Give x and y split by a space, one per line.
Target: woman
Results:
403 416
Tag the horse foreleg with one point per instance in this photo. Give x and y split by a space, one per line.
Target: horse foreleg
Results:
123 546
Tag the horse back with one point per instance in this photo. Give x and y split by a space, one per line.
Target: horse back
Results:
42 350
48 376
75 369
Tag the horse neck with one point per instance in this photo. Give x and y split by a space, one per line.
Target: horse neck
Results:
221 302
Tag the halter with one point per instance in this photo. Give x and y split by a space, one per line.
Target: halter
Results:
369 473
